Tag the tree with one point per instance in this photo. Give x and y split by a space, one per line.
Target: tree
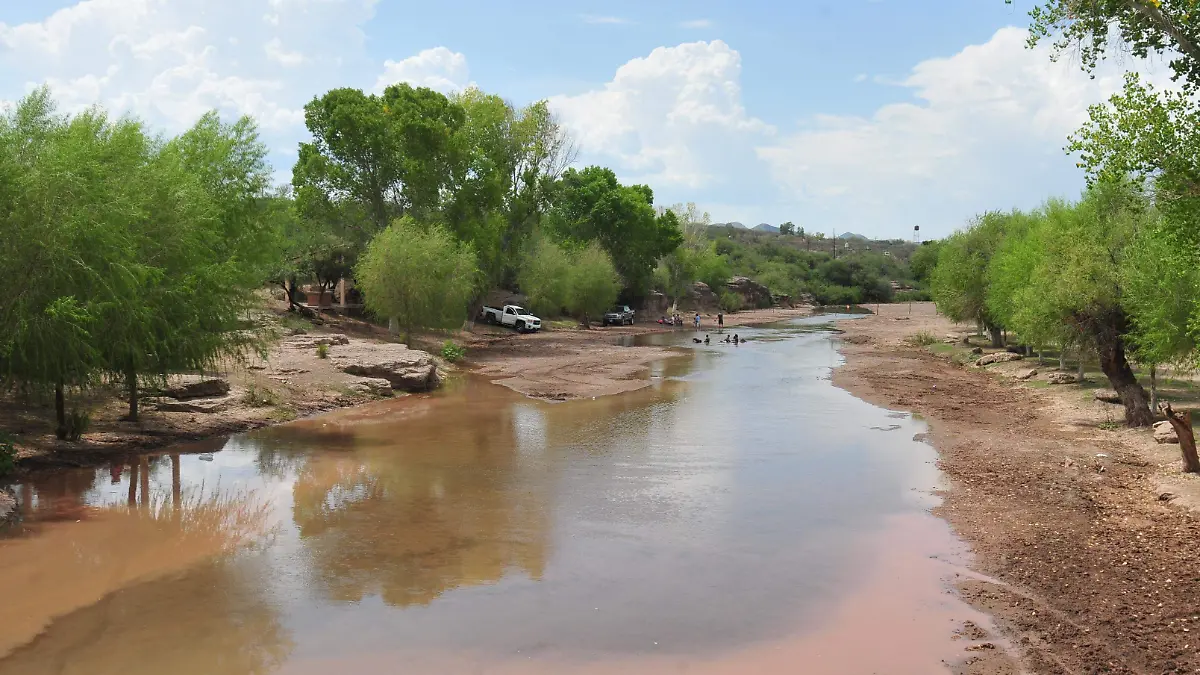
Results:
591 205
418 275
923 260
959 282
544 276
787 229
1085 30
593 284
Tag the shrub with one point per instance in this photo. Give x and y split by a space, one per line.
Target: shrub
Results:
452 352
922 339
8 455
78 422
322 351
915 295
730 301
260 397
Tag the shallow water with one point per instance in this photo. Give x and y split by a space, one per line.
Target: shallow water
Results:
739 515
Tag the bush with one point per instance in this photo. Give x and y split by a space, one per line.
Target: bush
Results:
916 295
921 339
452 352
78 422
322 351
730 301
8 455
260 397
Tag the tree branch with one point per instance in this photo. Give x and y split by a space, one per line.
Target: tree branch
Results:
1160 20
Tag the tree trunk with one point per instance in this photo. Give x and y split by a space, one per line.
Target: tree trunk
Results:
1079 367
1153 388
1182 424
131 384
1062 357
133 482
1111 349
60 411
1041 357
997 338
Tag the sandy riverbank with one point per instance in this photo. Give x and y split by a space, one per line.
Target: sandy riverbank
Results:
1087 532
557 364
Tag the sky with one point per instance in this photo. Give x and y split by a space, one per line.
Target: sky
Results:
865 116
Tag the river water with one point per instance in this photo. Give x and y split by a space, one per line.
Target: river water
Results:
740 514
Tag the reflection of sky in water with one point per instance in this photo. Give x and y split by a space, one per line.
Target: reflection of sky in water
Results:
699 515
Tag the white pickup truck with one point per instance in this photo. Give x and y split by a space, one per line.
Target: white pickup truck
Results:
511 315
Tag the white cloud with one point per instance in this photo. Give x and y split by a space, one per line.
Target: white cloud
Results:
986 130
275 52
673 118
698 23
438 68
861 77
600 19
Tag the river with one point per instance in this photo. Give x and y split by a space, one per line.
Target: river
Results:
740 514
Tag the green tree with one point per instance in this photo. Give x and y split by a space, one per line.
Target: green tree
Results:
923 260
787 229
959 282
417 275
591 205
1144 27
544 276
593 284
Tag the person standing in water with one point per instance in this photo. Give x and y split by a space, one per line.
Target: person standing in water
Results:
697 320
720 320
735 338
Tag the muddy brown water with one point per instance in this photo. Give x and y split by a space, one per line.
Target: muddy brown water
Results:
738 515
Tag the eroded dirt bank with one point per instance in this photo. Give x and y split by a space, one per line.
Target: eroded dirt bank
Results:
1087 532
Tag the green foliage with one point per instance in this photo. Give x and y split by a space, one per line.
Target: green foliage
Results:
452 352
258 396
8 455
1084 30
730 301
418 275
923 260
591 205
543 276
593 284
959 281
787 229
78 423
139 255
921 339
322 351
915 295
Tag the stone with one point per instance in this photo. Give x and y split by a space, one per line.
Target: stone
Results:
311 341
1165 433
371 386
1166 496
1106 395
406 369
699 298
754 294
1026 374
998 357
1060 378
977 350
196 386
203 406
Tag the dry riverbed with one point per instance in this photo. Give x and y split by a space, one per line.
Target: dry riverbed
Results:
1085 535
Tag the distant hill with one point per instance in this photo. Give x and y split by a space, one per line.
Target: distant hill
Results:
764 227
733 224
851 235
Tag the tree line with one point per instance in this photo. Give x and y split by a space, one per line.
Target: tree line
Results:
1115 272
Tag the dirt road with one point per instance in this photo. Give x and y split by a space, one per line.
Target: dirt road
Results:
1084 537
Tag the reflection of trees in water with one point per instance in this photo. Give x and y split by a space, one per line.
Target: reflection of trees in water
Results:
439 501
213 620
56 568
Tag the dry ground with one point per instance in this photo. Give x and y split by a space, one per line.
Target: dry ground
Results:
1086 561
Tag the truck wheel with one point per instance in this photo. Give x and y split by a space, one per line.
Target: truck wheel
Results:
520 326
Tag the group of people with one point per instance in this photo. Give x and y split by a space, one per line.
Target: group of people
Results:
676 320
735 340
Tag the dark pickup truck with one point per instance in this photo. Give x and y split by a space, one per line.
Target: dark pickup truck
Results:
618 316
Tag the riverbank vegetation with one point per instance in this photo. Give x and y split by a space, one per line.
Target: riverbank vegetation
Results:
1113 274
137 255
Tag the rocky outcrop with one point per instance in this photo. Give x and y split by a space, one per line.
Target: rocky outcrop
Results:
1061 378
1026 374
371 386
311 341
1165 433
405 369
699 298
196 386
656 304
998 357
1106 396
202 406
753 293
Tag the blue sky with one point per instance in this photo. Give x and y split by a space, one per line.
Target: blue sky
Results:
861 115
